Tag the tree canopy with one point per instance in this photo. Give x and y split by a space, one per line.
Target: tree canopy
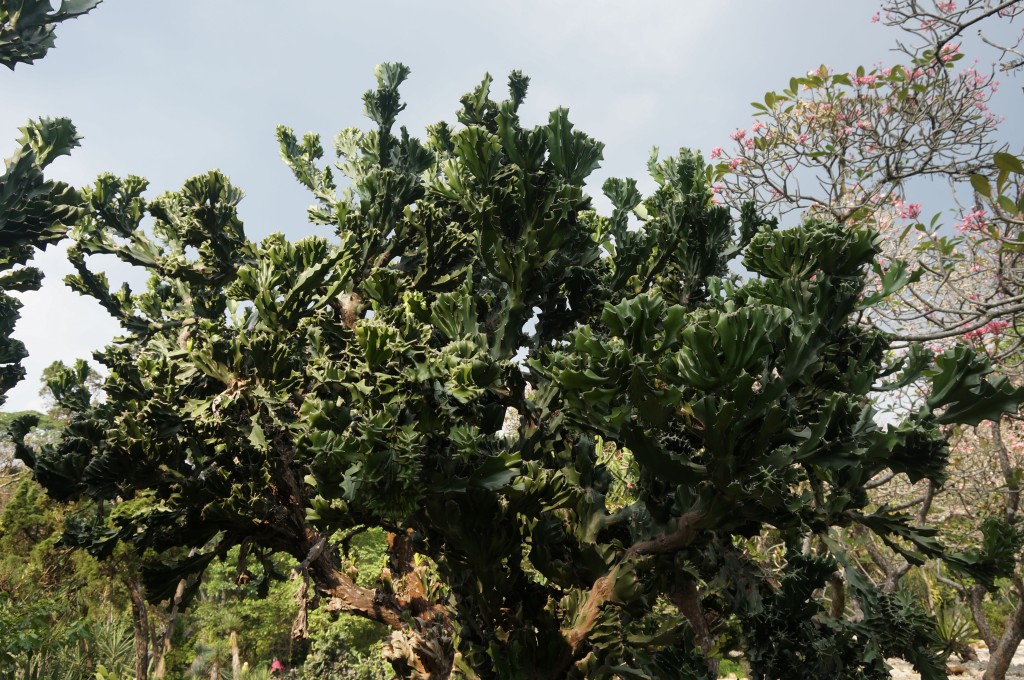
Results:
598 450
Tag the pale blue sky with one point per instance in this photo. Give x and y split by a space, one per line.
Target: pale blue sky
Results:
170 88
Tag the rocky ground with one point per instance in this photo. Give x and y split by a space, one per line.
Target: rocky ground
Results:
901 670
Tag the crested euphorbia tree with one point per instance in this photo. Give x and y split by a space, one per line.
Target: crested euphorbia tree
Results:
283 394
34 211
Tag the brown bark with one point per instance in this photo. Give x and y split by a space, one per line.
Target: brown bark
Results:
601 591
1012 498
1002 649
837 584
164 647
974 600
425 647
404 573
345 595
1001 654
140 626
300 630
687 599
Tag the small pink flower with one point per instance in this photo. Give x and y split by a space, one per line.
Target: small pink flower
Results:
947 7
910 211
735 163
758 126
878 17
276 666
716 152
748 144
738 135
802 138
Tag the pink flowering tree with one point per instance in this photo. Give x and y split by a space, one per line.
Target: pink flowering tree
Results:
850 146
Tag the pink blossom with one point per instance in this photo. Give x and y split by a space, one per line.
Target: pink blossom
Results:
757 127
991 328
738 135
973 221
947 7
802 138
868 79
716 152
910 211
735 163
748 144
876 18
276 666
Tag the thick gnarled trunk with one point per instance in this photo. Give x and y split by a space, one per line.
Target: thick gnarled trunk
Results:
423 650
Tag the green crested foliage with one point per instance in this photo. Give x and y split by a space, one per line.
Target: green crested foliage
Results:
27 27
34 213
282 394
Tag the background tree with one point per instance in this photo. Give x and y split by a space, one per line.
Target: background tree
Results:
851 146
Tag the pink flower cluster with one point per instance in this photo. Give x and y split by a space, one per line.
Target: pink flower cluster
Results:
716 152
737 135
948 51
973 221
994 327
910 211
947 7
